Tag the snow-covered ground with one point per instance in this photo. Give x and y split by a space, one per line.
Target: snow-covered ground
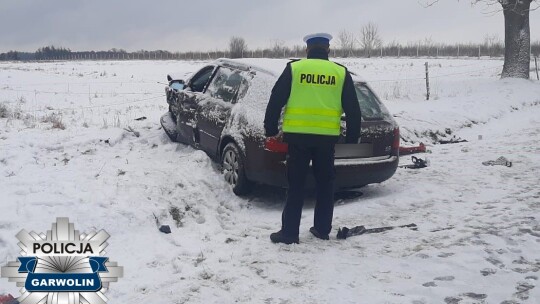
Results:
64 151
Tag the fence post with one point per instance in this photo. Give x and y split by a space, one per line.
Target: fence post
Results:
427 80
398 50
479 52
536 65
458 50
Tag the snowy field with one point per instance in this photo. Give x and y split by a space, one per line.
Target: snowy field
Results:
65 151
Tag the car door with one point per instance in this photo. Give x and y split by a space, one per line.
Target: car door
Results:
215 110
188 102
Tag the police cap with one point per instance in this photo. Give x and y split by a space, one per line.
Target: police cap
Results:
318 38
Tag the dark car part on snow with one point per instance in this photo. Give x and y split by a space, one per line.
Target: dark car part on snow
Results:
140 118
421 148
454 140
165 229
418 163
501 161
162 228
345 232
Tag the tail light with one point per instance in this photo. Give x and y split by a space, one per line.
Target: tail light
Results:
395 143
273 145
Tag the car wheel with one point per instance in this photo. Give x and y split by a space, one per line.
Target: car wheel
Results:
232 162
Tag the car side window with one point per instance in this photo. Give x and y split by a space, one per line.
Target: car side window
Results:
199 81
226 84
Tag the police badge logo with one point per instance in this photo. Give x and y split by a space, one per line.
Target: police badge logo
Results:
62 266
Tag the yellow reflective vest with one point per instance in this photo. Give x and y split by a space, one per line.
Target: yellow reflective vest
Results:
314 105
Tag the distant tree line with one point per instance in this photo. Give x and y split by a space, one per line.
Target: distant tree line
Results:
11 55
341 47
51 52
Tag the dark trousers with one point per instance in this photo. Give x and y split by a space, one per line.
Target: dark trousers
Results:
298 158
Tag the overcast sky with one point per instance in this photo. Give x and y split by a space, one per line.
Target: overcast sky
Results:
198 25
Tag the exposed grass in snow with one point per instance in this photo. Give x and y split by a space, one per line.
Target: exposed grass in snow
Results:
4 110
54 119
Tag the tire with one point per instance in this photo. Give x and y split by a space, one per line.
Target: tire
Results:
232 162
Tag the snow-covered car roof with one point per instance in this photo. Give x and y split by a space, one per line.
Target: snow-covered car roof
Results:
274 69
271 67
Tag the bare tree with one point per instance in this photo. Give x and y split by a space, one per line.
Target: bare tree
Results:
278 49
237 47
517 34
492 43
491 40
427 44
346 42
298 50
369 38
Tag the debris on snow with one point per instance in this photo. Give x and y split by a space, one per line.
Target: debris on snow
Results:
417 163
421 148
165 229
501 161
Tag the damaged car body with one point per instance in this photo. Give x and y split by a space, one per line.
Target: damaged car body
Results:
220 110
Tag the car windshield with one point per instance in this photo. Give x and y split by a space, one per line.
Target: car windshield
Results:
370 106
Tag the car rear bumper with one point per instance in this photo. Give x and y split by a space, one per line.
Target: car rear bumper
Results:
350 173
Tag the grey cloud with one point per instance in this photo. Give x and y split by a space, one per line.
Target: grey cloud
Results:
208 24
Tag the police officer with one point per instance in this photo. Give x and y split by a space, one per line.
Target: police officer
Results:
315 92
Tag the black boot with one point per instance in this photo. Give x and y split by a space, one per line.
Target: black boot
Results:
318 235
279 237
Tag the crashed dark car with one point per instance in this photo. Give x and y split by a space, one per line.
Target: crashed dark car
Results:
220 110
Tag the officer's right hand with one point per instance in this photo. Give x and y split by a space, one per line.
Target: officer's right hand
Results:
278 137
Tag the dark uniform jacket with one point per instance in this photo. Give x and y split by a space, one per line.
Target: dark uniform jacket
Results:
280 96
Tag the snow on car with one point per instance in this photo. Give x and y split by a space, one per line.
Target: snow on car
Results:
220 110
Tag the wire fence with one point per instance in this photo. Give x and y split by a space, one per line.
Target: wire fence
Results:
114 93
435 76
389 88
77 93
413 50
99 106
